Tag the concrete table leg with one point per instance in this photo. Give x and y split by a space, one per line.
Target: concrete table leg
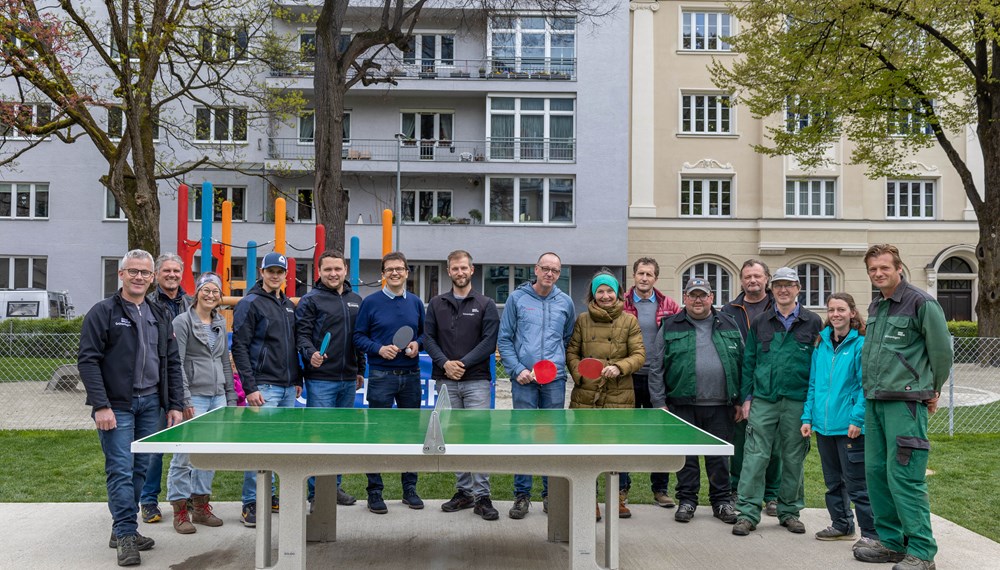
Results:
322 523
559 509
291 535
611 520
583 531
263 558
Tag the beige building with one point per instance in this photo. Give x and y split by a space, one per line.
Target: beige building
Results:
702 200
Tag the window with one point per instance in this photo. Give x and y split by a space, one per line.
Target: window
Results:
705 114
910 117
112 209
529 200
910 199
424 280
307 45
429 129
429 50
706 197
111 281
810 197
24 200
23 272
428 204
532 44
235 194
817 284
135 36
307 127
33 114
223 124
716 275
500 280
15 42
528 128
222 44
801 113
302 209
303 274
704 31
116 123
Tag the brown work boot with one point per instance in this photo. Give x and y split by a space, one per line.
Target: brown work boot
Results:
598 512
182 524
623 512
202 511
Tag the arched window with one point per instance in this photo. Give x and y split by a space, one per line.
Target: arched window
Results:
955 265
817 284
717 275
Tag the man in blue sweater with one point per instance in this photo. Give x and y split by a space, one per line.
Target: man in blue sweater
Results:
393 373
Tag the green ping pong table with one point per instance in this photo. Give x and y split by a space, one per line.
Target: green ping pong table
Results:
574 447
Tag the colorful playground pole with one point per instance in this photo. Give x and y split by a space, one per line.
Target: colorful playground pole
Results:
290 277
207 217
227 250
320 246
251 265
183 248
279 225
355 261
386 231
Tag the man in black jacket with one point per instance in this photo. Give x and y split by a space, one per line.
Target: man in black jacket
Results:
332 378
130 367
460 335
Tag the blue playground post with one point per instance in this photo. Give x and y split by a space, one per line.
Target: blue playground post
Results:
355 262
251 264
207 217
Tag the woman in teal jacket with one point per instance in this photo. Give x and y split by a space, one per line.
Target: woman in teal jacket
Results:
835 410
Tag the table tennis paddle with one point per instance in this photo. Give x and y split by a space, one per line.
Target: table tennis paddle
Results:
402 337
590 368
325 345
544 371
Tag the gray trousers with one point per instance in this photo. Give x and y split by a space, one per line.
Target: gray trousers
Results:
471 395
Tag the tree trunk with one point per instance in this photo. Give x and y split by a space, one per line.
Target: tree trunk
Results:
988 248
330 90
141 204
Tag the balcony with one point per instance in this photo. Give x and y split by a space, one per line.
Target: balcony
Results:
556 69
495 149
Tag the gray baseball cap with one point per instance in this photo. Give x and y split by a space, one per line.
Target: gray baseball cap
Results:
786 274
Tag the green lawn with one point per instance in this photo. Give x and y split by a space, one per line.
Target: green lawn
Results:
19 369
67 466
968 419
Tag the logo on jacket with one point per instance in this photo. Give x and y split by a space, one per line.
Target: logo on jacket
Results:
123 322
353 305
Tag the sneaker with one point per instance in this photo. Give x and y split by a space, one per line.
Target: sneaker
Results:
742 527
878 554
771 508
345 499
128 551
521 505
545 504
141 542
484 508
724 512
830 533
151 513
458 502
864 541
684 513
412 500
249 515
274 504
911 562
793 524
663 499
376 504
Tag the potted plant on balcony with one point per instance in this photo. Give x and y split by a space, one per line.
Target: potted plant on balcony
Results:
476 215
459 74
482 72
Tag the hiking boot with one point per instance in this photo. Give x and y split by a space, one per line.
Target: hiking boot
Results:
724 512
864 541
151 513
623 512
249 515
182 521
376 504
412 500
201 511
484 508
771 508
685 512
793 524
275 505
521 505
598 512
458 502
345 499
911 562
545 504
128 551
743 527
663 499
878 554
830 533
141 542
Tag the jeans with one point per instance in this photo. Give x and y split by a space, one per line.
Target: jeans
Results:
535 396
843 462
329 394
386 387
274 397
718 421
127 471
657 481
183 480
469 395
150 494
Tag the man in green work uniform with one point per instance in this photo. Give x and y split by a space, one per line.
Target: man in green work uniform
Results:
776 380
905 361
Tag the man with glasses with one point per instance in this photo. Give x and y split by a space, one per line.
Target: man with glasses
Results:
537 323
265 356
393 372
775 382
130 367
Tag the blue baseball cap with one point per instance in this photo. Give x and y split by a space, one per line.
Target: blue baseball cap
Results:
274 259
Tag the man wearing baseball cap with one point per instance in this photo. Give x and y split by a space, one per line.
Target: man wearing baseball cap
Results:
775 382
265 356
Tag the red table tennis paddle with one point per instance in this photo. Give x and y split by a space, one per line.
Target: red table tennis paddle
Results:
544 371
590 368
402 337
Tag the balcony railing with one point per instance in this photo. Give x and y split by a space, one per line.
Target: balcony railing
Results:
495 149
505 68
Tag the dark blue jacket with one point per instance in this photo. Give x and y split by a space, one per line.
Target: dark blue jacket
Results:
462 329
264 340
323 310
379 319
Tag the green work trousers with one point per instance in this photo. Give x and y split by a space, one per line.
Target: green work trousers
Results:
773 425
772 477
896 450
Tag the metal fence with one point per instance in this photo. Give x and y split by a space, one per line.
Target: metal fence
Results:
41 389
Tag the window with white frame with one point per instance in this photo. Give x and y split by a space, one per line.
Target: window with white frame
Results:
706 197
425 205
112 209
303 209
307 127
801 112
531 128
529 200
910 117
15 42
500 280
717 275
116 123
810 197
23 272
424 280
817 284
24 200
532 44
706 114
910 199
221 44
111 283
235 194
220 124
705 31
307 45
429 50
33 114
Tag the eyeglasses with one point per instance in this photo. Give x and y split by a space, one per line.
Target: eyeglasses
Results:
784 285
211 292
391 270
551 270
145 273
